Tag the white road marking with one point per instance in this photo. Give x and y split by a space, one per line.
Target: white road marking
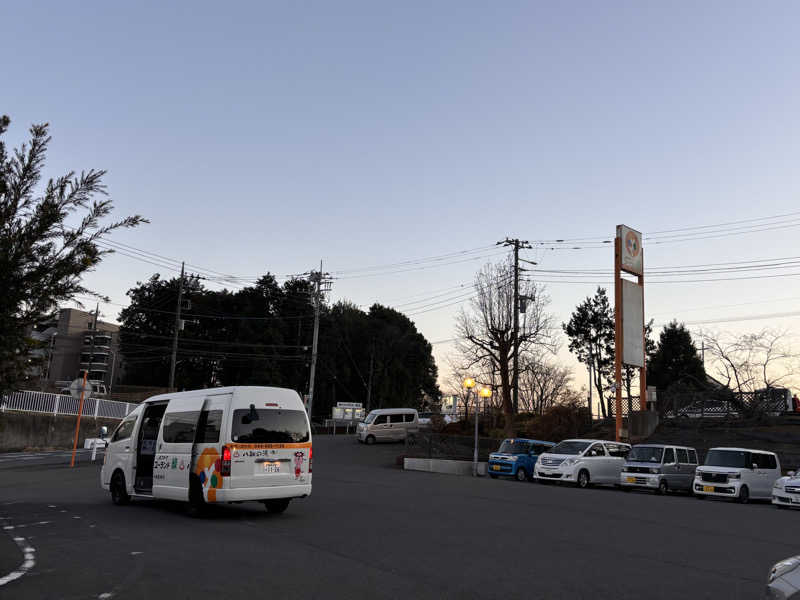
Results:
28 562
135 553
105 596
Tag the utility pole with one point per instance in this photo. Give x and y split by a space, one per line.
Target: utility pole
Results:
516 244
322 284
175 334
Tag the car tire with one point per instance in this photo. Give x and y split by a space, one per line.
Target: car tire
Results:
492 475
522 474
119 494
278 506
370 440
744 495
663 487
584 480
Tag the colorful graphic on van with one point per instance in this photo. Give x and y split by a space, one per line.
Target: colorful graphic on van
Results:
208 469
298 464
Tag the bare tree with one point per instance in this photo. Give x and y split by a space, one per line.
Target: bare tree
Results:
543 383
750 361
485 331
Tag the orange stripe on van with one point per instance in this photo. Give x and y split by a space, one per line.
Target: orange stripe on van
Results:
235 446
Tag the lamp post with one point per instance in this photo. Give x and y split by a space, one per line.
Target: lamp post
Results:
485 393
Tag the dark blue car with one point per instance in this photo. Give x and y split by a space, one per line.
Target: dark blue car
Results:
516 458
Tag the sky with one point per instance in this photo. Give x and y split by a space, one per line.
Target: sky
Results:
267 136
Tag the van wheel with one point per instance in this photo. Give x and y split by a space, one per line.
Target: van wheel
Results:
197 504
662 487
119 495
276 507
744 495
522 475
370 440
583 479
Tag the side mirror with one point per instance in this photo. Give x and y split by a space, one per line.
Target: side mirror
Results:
755 466
103 432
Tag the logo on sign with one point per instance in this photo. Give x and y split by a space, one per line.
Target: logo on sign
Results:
632 244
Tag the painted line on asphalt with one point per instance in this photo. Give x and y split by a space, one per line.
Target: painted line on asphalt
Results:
28 560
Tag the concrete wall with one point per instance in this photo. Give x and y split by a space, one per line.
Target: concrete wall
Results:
20 431
436 465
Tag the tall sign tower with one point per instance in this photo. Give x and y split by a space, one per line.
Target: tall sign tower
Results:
629 342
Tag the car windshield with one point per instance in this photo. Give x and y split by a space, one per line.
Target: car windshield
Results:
370 418
575 447
728 458
514 447
646 454
269 426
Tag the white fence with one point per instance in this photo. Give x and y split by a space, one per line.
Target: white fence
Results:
58 404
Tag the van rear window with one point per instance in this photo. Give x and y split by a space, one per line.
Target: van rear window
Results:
269 426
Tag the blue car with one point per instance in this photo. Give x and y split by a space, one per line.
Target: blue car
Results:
516 458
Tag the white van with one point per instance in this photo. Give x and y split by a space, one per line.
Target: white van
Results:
583 462
215 445
738 473
388 425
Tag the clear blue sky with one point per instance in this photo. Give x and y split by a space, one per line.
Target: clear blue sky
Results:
267 135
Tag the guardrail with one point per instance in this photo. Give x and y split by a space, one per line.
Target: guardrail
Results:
59 404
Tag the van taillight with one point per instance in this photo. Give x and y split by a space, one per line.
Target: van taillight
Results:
310 458
225 466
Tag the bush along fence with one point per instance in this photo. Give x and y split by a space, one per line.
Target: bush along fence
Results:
428 444
59 404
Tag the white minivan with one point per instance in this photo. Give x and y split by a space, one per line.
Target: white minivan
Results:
738 473
212 446
388 425
582 462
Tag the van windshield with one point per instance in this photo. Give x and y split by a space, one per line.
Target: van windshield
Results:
370 418
729 458
514 447
645 454
270 426
569 448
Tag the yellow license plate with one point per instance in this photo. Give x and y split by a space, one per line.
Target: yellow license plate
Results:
630 479
495 467
708 488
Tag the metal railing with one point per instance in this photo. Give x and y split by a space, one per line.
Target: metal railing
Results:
59 404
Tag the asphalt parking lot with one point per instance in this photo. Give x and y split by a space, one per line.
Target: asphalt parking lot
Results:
372 530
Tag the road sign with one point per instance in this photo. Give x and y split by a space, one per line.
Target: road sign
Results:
76 387
349 404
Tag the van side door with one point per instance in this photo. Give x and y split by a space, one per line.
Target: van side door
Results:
668 465
397 427
121 450
682 469
173 462
380 428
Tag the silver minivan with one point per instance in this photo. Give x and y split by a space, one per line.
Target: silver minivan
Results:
388 425
659 467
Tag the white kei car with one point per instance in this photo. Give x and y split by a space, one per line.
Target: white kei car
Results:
786 491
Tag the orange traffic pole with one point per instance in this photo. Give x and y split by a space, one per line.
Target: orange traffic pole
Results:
78 424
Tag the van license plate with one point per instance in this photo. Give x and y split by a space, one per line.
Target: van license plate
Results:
630 479
708 488
495 467
272 468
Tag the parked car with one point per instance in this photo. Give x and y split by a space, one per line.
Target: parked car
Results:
707 409
786 491
738 473
516 458
426 418
388 425
583 462
659 467
783 581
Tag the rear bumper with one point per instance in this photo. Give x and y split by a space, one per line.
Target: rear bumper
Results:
263 493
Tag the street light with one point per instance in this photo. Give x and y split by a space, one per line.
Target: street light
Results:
483 393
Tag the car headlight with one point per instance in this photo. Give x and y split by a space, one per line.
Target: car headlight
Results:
778 485
734 475
571 461
654 470
513 458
